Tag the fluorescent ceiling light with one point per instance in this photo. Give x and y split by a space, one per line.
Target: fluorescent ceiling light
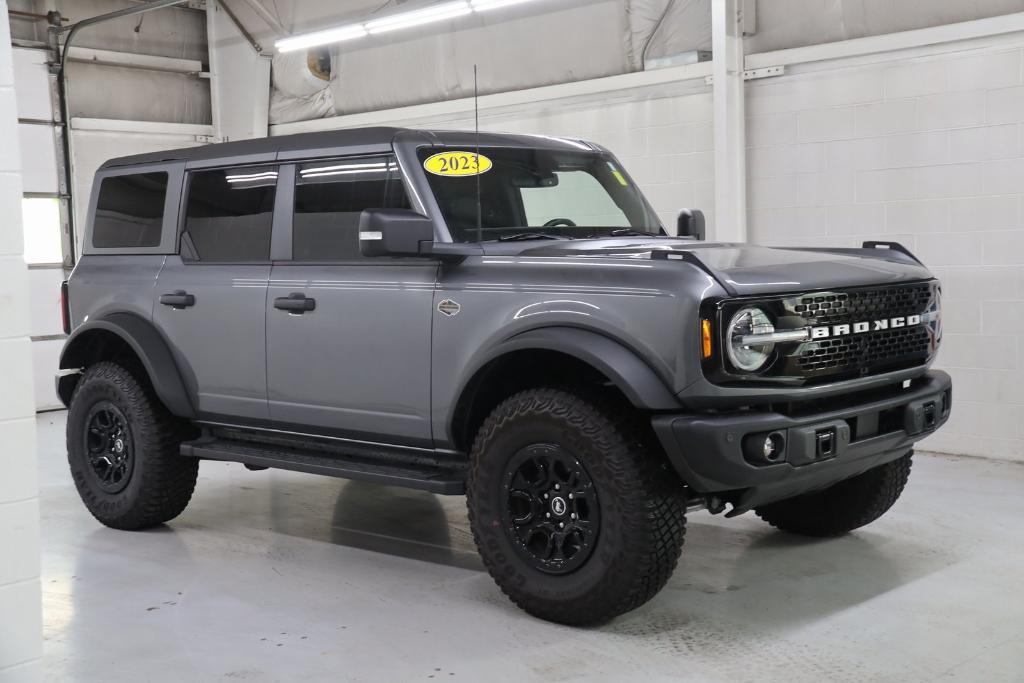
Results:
485 5
427 15
420 17
331 35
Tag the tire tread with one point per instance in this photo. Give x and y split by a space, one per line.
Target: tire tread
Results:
655 503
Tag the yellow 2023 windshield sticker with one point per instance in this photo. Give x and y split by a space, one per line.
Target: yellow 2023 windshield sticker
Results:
457 164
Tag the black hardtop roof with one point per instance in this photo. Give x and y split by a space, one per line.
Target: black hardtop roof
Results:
334 142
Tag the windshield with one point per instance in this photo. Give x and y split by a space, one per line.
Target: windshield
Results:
533 194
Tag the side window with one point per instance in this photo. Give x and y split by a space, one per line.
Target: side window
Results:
229 214
330 196
130 211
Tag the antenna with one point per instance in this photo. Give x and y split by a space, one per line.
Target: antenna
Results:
476 123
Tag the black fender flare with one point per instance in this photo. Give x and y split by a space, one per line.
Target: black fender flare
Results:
147 343
621 365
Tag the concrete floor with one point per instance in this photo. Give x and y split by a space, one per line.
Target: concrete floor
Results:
274 576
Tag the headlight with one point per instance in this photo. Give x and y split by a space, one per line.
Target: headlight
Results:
749 321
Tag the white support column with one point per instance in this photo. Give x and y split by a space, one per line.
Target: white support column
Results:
21 631
730 220
239 80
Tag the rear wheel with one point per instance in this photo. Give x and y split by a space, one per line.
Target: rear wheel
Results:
576 517
841 507
123 451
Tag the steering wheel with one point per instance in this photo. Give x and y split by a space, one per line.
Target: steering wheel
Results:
556 222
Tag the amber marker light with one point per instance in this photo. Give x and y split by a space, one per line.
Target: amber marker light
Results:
705 338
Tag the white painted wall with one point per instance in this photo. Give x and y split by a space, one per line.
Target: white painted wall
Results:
20 613
923 147
38 147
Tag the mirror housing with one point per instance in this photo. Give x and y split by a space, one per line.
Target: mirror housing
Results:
394 232
691 224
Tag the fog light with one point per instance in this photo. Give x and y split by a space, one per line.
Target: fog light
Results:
764 449
772 448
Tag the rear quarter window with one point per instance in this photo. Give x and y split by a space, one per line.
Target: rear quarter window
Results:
130 211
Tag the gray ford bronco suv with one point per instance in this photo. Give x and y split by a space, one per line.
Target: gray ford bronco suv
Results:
500 316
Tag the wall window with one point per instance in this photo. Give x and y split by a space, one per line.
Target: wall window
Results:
329 198
41 223
130 211
229 214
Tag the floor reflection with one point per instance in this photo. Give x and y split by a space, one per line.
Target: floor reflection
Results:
402 522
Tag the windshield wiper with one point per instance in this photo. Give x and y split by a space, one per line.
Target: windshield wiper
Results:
523 236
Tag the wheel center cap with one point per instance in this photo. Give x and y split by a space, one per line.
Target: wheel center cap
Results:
558 506
118 446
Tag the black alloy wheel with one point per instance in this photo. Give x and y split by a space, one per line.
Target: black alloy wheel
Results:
108 447
552 513
124 450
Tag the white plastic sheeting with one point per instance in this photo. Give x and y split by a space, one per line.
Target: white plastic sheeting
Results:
541 43
297 93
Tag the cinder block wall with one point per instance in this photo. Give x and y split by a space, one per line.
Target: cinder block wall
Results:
925 150
20 618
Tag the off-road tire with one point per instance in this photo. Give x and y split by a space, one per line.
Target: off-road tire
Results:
642 506
842 507
161 480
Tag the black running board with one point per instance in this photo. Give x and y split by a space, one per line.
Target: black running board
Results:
445 479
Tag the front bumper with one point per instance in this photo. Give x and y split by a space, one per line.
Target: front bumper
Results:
722 452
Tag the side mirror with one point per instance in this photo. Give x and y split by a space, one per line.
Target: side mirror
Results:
394 232
691 223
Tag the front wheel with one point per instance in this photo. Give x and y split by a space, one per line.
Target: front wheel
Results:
842 507
575 517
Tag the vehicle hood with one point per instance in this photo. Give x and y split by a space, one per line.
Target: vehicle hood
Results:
747 269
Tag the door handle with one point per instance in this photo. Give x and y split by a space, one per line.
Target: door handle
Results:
179 299
297 303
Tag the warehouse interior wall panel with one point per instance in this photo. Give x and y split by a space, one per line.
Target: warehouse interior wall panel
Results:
239 74
102 91
796 23
20 613
32 81
175 32
581 40
46 354
927 151
44 301
38 157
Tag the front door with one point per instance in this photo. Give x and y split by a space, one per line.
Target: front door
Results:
348 338
211 300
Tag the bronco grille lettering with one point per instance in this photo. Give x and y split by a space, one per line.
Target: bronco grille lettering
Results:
827 331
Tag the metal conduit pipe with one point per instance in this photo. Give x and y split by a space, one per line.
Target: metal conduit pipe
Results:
62 90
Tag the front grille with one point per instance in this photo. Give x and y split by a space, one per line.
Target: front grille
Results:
872 348
864 348
867 352
861 304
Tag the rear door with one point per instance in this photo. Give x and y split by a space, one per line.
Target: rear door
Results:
354 358
211 299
